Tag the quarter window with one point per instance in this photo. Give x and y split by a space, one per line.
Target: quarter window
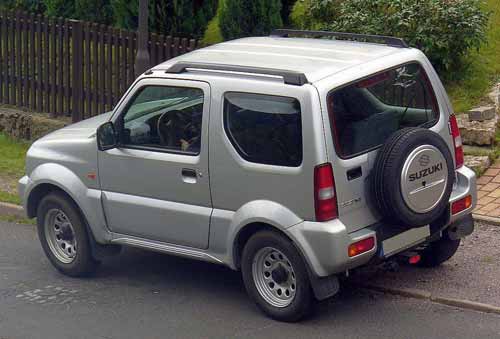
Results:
166 118
363 115
264 129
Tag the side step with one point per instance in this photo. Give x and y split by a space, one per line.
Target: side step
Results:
176 250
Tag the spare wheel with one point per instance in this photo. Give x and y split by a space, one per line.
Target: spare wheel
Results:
413 177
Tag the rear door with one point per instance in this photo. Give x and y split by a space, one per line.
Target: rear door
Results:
360 117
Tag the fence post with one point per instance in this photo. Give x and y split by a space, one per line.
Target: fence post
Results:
77 65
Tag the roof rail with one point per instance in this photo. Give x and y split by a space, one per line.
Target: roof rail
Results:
289 77
386 40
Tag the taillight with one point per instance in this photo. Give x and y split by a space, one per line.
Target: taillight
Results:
325 201
462 204
361 246
457 142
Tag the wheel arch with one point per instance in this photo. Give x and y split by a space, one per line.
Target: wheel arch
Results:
248 231
322 287
38 193
51 177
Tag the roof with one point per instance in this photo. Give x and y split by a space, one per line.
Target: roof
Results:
316 58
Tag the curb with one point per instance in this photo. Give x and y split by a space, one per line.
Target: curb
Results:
403 292
424 295
11 209
483 218
471 305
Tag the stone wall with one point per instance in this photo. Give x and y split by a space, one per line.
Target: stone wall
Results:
28 126
478 126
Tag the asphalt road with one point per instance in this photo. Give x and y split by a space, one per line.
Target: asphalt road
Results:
148 295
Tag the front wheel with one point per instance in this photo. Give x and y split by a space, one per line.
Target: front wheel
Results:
276 277
63 235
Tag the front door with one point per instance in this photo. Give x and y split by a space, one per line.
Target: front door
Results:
155 185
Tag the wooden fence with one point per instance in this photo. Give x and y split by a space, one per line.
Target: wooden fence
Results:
71 68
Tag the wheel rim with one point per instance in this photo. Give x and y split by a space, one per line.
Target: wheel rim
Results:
60 236
274 277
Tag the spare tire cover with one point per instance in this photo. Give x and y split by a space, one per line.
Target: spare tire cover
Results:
413 177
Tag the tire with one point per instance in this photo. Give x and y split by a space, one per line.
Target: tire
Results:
438 252
67 246
401 153
287 268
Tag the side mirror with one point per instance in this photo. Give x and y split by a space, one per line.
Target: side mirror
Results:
106 136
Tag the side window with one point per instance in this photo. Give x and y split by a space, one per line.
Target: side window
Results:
264 129
166 118
363 115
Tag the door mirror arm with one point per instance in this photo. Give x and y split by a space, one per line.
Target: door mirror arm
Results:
107 137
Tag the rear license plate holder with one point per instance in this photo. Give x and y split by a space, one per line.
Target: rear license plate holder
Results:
404 240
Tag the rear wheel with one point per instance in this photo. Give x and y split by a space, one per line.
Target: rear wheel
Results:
438 252
275 276
63 236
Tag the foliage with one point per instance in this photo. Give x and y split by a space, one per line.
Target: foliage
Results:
175 17
300 17
60 8
467 86
239 18
32 6
445 30
213 34
286 9
94 10
126 13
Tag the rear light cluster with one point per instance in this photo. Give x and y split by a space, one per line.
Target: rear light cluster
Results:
361 246
325 201
462 204
457 142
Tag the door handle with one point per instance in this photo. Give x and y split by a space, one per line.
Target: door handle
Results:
354 173
187 172
189 175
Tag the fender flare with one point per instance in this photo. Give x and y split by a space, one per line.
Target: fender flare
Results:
87 200
264 212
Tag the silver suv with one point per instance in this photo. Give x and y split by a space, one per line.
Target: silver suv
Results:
292 159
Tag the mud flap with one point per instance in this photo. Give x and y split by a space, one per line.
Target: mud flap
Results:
324 288
461 228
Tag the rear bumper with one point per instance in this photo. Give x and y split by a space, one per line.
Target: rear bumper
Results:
465 184
324 244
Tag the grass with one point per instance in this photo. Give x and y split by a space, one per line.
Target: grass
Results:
17 220
10 198
12 154
483 67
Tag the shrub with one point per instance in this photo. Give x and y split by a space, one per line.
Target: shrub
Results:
239 18
180 17
445 30
60 8
32 6
286 8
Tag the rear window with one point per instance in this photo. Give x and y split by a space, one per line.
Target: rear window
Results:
364 114
264 129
